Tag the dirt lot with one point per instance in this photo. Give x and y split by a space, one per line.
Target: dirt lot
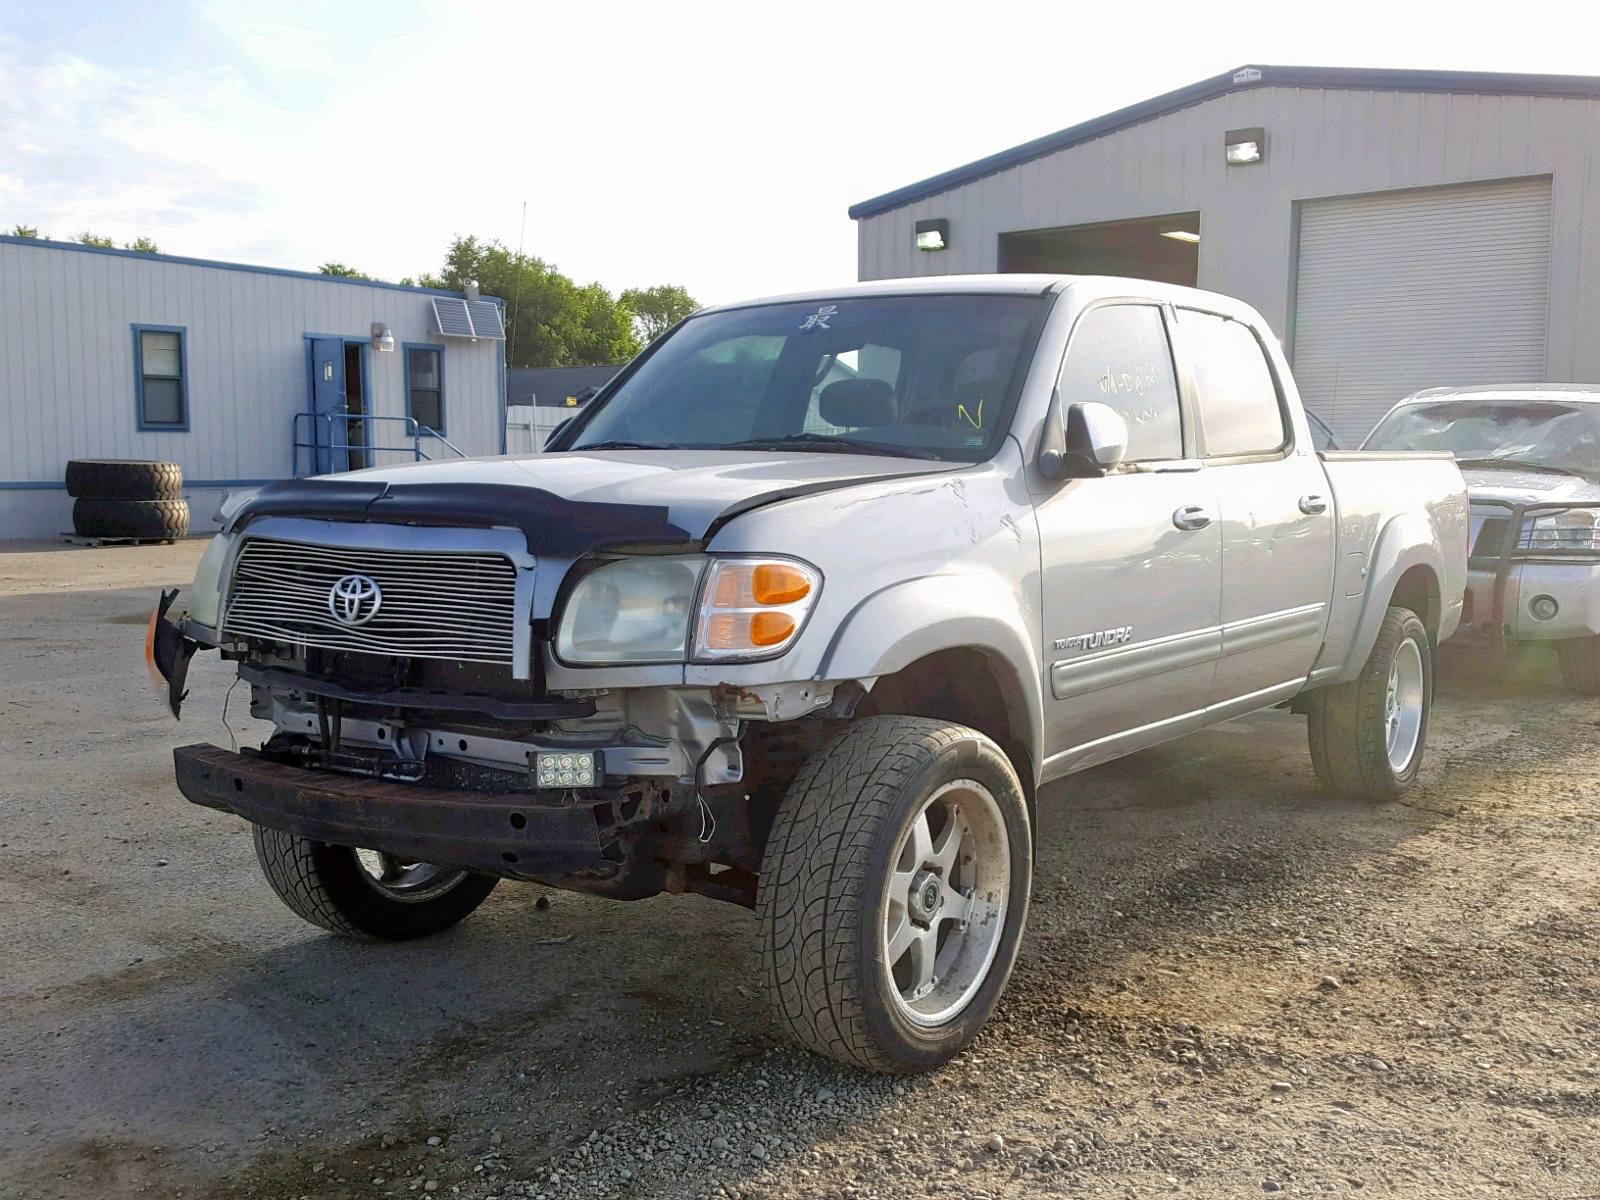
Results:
1232 985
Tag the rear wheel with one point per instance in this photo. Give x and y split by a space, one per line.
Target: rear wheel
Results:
894 893
1580 664
1367 735
364 893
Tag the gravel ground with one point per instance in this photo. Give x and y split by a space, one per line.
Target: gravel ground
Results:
1231 985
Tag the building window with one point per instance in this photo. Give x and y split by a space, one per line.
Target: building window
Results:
161 376
425 386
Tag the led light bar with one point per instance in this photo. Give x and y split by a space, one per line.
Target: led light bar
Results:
567 768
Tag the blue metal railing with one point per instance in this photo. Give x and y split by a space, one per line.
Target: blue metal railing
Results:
326 438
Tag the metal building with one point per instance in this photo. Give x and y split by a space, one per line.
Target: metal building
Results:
239 374
1398 229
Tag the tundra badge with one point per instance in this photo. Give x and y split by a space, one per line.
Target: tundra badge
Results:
1093 641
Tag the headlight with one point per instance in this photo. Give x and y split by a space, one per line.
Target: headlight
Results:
642 610
205 594
1570 529
633 611
753 607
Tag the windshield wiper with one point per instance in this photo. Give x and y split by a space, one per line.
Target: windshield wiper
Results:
828 444
1518 463
629 446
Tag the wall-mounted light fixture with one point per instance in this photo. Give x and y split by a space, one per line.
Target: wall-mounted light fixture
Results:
1181 235
382 337
1245 146
933 234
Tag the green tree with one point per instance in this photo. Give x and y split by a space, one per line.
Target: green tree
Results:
550 320
143 245
657 309
25 231
343 271
95 239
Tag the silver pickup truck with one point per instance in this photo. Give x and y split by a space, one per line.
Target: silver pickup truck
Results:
803 612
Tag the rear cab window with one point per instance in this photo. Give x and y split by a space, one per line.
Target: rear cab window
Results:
1241 411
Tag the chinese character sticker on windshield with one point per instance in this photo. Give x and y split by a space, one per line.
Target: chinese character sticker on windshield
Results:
819 319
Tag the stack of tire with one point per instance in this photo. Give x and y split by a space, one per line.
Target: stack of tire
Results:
127 499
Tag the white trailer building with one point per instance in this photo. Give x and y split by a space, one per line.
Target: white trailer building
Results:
1398 229
239 374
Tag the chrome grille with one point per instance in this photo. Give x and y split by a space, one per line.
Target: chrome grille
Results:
455 606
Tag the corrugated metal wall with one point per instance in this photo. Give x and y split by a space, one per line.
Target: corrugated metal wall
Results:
1320 143
66 363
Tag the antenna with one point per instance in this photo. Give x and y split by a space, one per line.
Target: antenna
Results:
516 301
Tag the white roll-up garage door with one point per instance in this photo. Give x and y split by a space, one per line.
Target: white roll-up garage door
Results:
1399 291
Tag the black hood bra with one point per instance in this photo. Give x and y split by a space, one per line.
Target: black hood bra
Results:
552 524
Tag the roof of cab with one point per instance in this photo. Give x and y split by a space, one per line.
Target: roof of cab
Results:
995 284
1581 392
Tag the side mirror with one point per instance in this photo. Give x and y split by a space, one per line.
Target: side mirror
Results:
1096 440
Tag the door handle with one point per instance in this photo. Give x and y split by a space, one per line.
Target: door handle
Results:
1191 516
1313 504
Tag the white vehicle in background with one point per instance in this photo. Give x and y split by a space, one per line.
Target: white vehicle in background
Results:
1531 457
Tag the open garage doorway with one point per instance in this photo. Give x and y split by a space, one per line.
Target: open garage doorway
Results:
1166 249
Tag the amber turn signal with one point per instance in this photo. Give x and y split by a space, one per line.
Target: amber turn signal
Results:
156 678
771 628
779 583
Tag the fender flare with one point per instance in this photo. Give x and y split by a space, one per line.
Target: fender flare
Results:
899 624
1408 540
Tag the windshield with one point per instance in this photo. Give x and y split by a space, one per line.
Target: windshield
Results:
1561 436
921 376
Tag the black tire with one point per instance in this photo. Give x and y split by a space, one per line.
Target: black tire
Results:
150 520
123 479
328 886
1580 664
1348 723
824 885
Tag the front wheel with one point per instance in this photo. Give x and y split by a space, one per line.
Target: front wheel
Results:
1367 735
363 893
894 893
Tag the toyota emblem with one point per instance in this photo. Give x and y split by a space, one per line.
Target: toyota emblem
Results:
355 599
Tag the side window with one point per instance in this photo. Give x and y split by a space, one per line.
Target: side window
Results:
1239 408
425 386
1119 356
159 374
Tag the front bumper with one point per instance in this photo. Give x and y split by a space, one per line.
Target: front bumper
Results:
1500 603
517 835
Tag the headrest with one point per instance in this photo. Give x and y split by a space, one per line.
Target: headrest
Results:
856 403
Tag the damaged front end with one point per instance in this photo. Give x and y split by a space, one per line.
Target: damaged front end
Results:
167 652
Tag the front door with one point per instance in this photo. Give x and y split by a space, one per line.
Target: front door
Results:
329 408
1130 562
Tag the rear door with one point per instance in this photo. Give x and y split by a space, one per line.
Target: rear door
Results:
329 412
1130 561
1276 509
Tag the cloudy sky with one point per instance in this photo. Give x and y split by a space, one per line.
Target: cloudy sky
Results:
711 144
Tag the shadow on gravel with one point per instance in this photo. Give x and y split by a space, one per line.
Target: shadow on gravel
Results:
543 1026
522 1018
